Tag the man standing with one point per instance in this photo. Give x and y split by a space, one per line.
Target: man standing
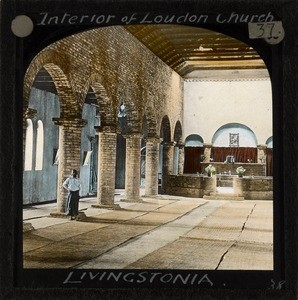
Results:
73 185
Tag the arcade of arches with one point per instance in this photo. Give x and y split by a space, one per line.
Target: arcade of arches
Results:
101 102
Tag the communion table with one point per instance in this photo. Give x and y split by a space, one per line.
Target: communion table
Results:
252 169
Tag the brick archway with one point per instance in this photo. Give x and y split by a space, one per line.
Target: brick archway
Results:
68 104
107 107
165 129
178 132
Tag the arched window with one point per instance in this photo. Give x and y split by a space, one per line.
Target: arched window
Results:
39 146
29 146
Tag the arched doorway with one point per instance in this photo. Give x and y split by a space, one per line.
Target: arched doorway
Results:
193 153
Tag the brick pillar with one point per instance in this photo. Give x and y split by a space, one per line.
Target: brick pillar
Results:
132 167
181 159
167 162
152 159
168 158
69 154
207 152
107 143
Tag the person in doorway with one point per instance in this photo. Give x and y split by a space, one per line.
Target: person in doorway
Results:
73 185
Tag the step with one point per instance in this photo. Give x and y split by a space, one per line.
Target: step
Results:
225 183
227 194
223 197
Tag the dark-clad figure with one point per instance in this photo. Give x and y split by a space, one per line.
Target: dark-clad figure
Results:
73 185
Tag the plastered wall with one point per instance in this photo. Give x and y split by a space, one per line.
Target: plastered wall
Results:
210 103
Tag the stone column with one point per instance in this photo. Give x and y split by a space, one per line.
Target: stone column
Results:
69 154
132 167
207 152
181 159
107 143
167 163
168 158
262 157
152 159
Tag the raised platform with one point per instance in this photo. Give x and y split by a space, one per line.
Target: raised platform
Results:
252 169
224 193
223 197
188 185
252 188
213 188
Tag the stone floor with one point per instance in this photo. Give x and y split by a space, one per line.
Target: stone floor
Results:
159 233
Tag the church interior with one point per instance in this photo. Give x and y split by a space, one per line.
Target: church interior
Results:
170 129
148 106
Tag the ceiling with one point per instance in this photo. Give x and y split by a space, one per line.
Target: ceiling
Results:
186 49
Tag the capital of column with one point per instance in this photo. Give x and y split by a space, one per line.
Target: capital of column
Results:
180 145
70 122
133 135
207 145
169 144
262 147
107 128
29 113
152 139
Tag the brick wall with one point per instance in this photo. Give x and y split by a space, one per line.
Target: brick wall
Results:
254 188
118 68
189 185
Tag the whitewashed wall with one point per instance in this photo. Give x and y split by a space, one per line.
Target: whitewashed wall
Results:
212 100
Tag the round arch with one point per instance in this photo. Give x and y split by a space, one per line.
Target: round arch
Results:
68 105
106 110
93 88
234 135
194 140
178 132
193 153
55 66
269 142
165 129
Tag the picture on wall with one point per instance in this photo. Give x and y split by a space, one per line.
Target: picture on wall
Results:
234 140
